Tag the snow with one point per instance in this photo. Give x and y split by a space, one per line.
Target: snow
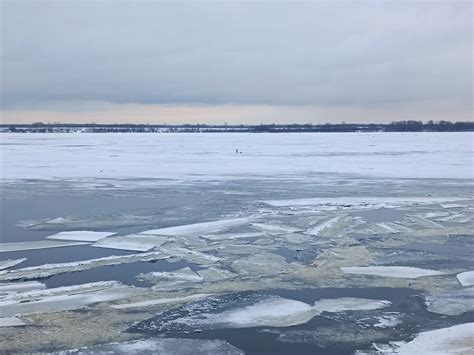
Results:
334 305
64 298
5 264
466 278
32 245
458 339
81 236
160 301
11 322
406 272
47 270
209 156
133 242
199 228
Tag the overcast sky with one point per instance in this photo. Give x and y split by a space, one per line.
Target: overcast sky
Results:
239 61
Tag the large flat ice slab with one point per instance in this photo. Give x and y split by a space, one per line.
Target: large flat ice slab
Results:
5 264
11 322
32 245
334 305
451 303
81 236
133 242
466 278
47 270
199 228
64 298
406 272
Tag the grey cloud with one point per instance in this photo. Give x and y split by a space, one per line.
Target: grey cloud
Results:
319 53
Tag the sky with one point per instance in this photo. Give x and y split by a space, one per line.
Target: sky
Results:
249 62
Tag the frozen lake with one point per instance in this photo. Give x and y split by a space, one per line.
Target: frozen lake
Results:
299 243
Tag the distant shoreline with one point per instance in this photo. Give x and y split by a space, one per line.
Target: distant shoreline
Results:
402 126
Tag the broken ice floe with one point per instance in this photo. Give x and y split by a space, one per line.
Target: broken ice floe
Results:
20 287
234 311
457 339
47 270
184 274
406 272
275 229
199 228
80 236
11 322
322 226
190 255
159 346
64 298
133 242
231 236
161 301
451 303
388 320
32 245
466 278
5 264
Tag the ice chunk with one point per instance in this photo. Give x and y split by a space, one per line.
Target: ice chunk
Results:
184 274
47 270
5 264
322 226
81 236
32 245
190 255
389 229
160 301
231 236
199 228
275 229
457 339
451 303
466 278
159 346
334 305
406 272
21 286
213 274
388 320
134 242
64 298
11 322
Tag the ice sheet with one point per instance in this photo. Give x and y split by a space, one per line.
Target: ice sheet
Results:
466 278
81 236
20 287
457 339
47 270
343 304
11 322
5 264
32 245
65 298
133 242
200 228
451 303
406 272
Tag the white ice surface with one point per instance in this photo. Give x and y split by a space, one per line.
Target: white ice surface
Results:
334 305
184 274
322 226
134 242
32 245
11 322
80 236
275 229
388 320
5 264
199 228
406 272
466 278
458 339
159 301
20 286
210 156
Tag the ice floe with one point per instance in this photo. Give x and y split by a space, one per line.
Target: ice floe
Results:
343 304
159 346
11 322
161 301
20 287
322 226
64 298
388 320
80 236
200 228
184 274
406 272
451 303
457 339
5 264
466 278
47 270
275 229
32 245
133 242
